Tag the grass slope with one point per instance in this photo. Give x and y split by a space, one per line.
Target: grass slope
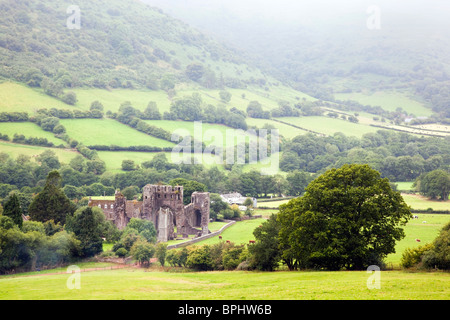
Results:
109 132
139 284
15 97
330 126
28 129
389 101
64 155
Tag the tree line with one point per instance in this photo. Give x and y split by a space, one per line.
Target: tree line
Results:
398 156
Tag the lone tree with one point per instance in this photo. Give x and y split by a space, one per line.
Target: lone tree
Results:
348 218
51 203
12 209
88 225
434 184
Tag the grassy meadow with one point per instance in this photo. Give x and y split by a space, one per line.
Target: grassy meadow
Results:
13 150
142 284
389 101
329 126
28 129
155 284
109 132
16 97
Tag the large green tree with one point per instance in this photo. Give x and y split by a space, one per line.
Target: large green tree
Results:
88 225
189 187
434 184
51 203
264 253
348 218
12 209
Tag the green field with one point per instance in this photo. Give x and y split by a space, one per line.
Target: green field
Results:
135 283
419 202
14 150
241 232
404 186
389 101
16 97
109 132
112 99
28 129
417 229
330 126
284 130
142 284
214 134
113 159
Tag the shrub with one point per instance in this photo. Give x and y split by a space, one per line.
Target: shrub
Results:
412 256
200 259
121 252
439 255
142 251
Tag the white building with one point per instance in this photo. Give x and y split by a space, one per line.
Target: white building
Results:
237 198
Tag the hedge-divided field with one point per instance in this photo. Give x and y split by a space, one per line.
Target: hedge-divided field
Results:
135 283
141 284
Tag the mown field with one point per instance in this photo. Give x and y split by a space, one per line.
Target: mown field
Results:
155 284
109 132
13 150
388 100
330 126
28 129
139 284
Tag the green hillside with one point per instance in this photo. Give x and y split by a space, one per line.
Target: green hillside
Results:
119 44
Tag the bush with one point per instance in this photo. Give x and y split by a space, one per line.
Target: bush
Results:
412 256
121 252
177 258
200 258
142 251
439 255
233 256
70 98
161 253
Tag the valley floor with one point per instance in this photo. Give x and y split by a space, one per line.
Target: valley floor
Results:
142 284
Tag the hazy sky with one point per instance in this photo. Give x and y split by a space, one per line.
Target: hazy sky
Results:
313 12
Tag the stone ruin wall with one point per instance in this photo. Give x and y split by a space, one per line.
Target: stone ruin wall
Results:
163 205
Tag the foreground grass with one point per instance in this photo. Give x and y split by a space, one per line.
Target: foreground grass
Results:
140 284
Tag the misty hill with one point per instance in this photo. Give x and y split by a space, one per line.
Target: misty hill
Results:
120 44
325 48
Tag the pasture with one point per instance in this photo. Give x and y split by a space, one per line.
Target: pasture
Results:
28 129
109 132
389 101
16 97
419 202
152 284
329 126
155 284
112 99
113 159
13 150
